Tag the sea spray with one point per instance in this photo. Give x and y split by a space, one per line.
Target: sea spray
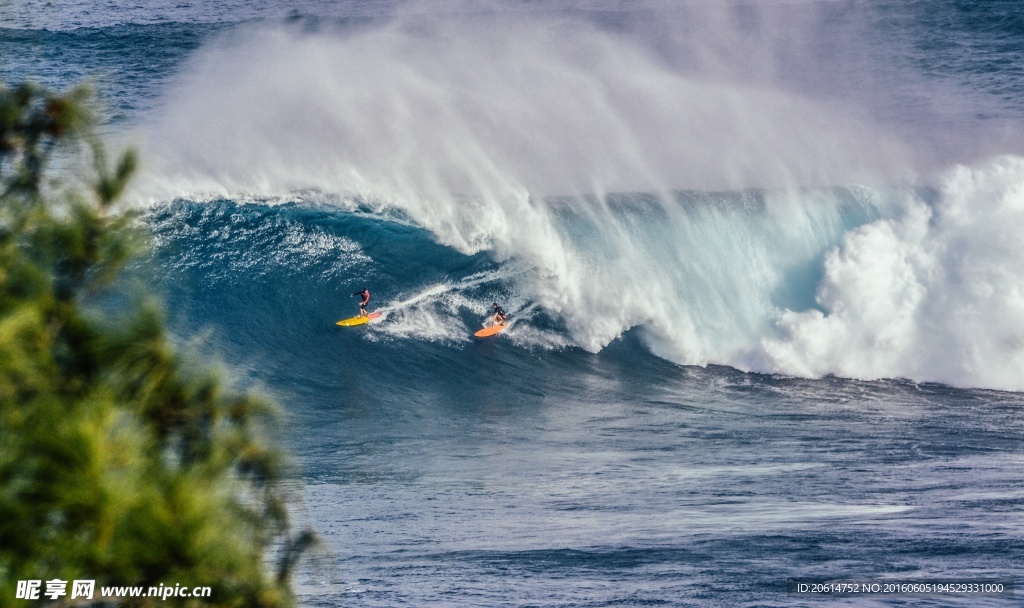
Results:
935 293
434 113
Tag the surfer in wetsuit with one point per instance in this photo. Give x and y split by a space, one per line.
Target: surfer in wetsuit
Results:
365 293
499 315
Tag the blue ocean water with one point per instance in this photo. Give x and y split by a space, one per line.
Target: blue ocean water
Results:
761 261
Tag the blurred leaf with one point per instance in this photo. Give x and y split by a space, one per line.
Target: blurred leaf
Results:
120 461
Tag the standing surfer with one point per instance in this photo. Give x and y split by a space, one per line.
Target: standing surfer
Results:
365 293
499 315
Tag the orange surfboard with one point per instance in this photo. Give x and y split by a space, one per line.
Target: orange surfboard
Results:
490 331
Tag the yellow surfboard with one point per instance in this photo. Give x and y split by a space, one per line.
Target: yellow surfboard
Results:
490 331
358 320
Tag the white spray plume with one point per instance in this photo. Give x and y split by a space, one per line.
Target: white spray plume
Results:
497 105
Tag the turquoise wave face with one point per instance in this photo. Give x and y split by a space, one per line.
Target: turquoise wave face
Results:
860 283
718 256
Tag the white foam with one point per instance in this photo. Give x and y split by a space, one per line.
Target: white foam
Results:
936 293
431 313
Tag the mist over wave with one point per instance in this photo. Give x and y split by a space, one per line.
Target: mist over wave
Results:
420 108
745 242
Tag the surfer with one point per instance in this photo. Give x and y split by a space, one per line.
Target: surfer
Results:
497 323
499 315
365 293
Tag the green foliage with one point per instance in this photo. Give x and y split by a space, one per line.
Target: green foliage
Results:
119 462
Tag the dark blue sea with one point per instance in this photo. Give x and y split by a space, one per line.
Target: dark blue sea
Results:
763 263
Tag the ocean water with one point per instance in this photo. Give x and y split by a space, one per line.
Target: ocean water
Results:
762 261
